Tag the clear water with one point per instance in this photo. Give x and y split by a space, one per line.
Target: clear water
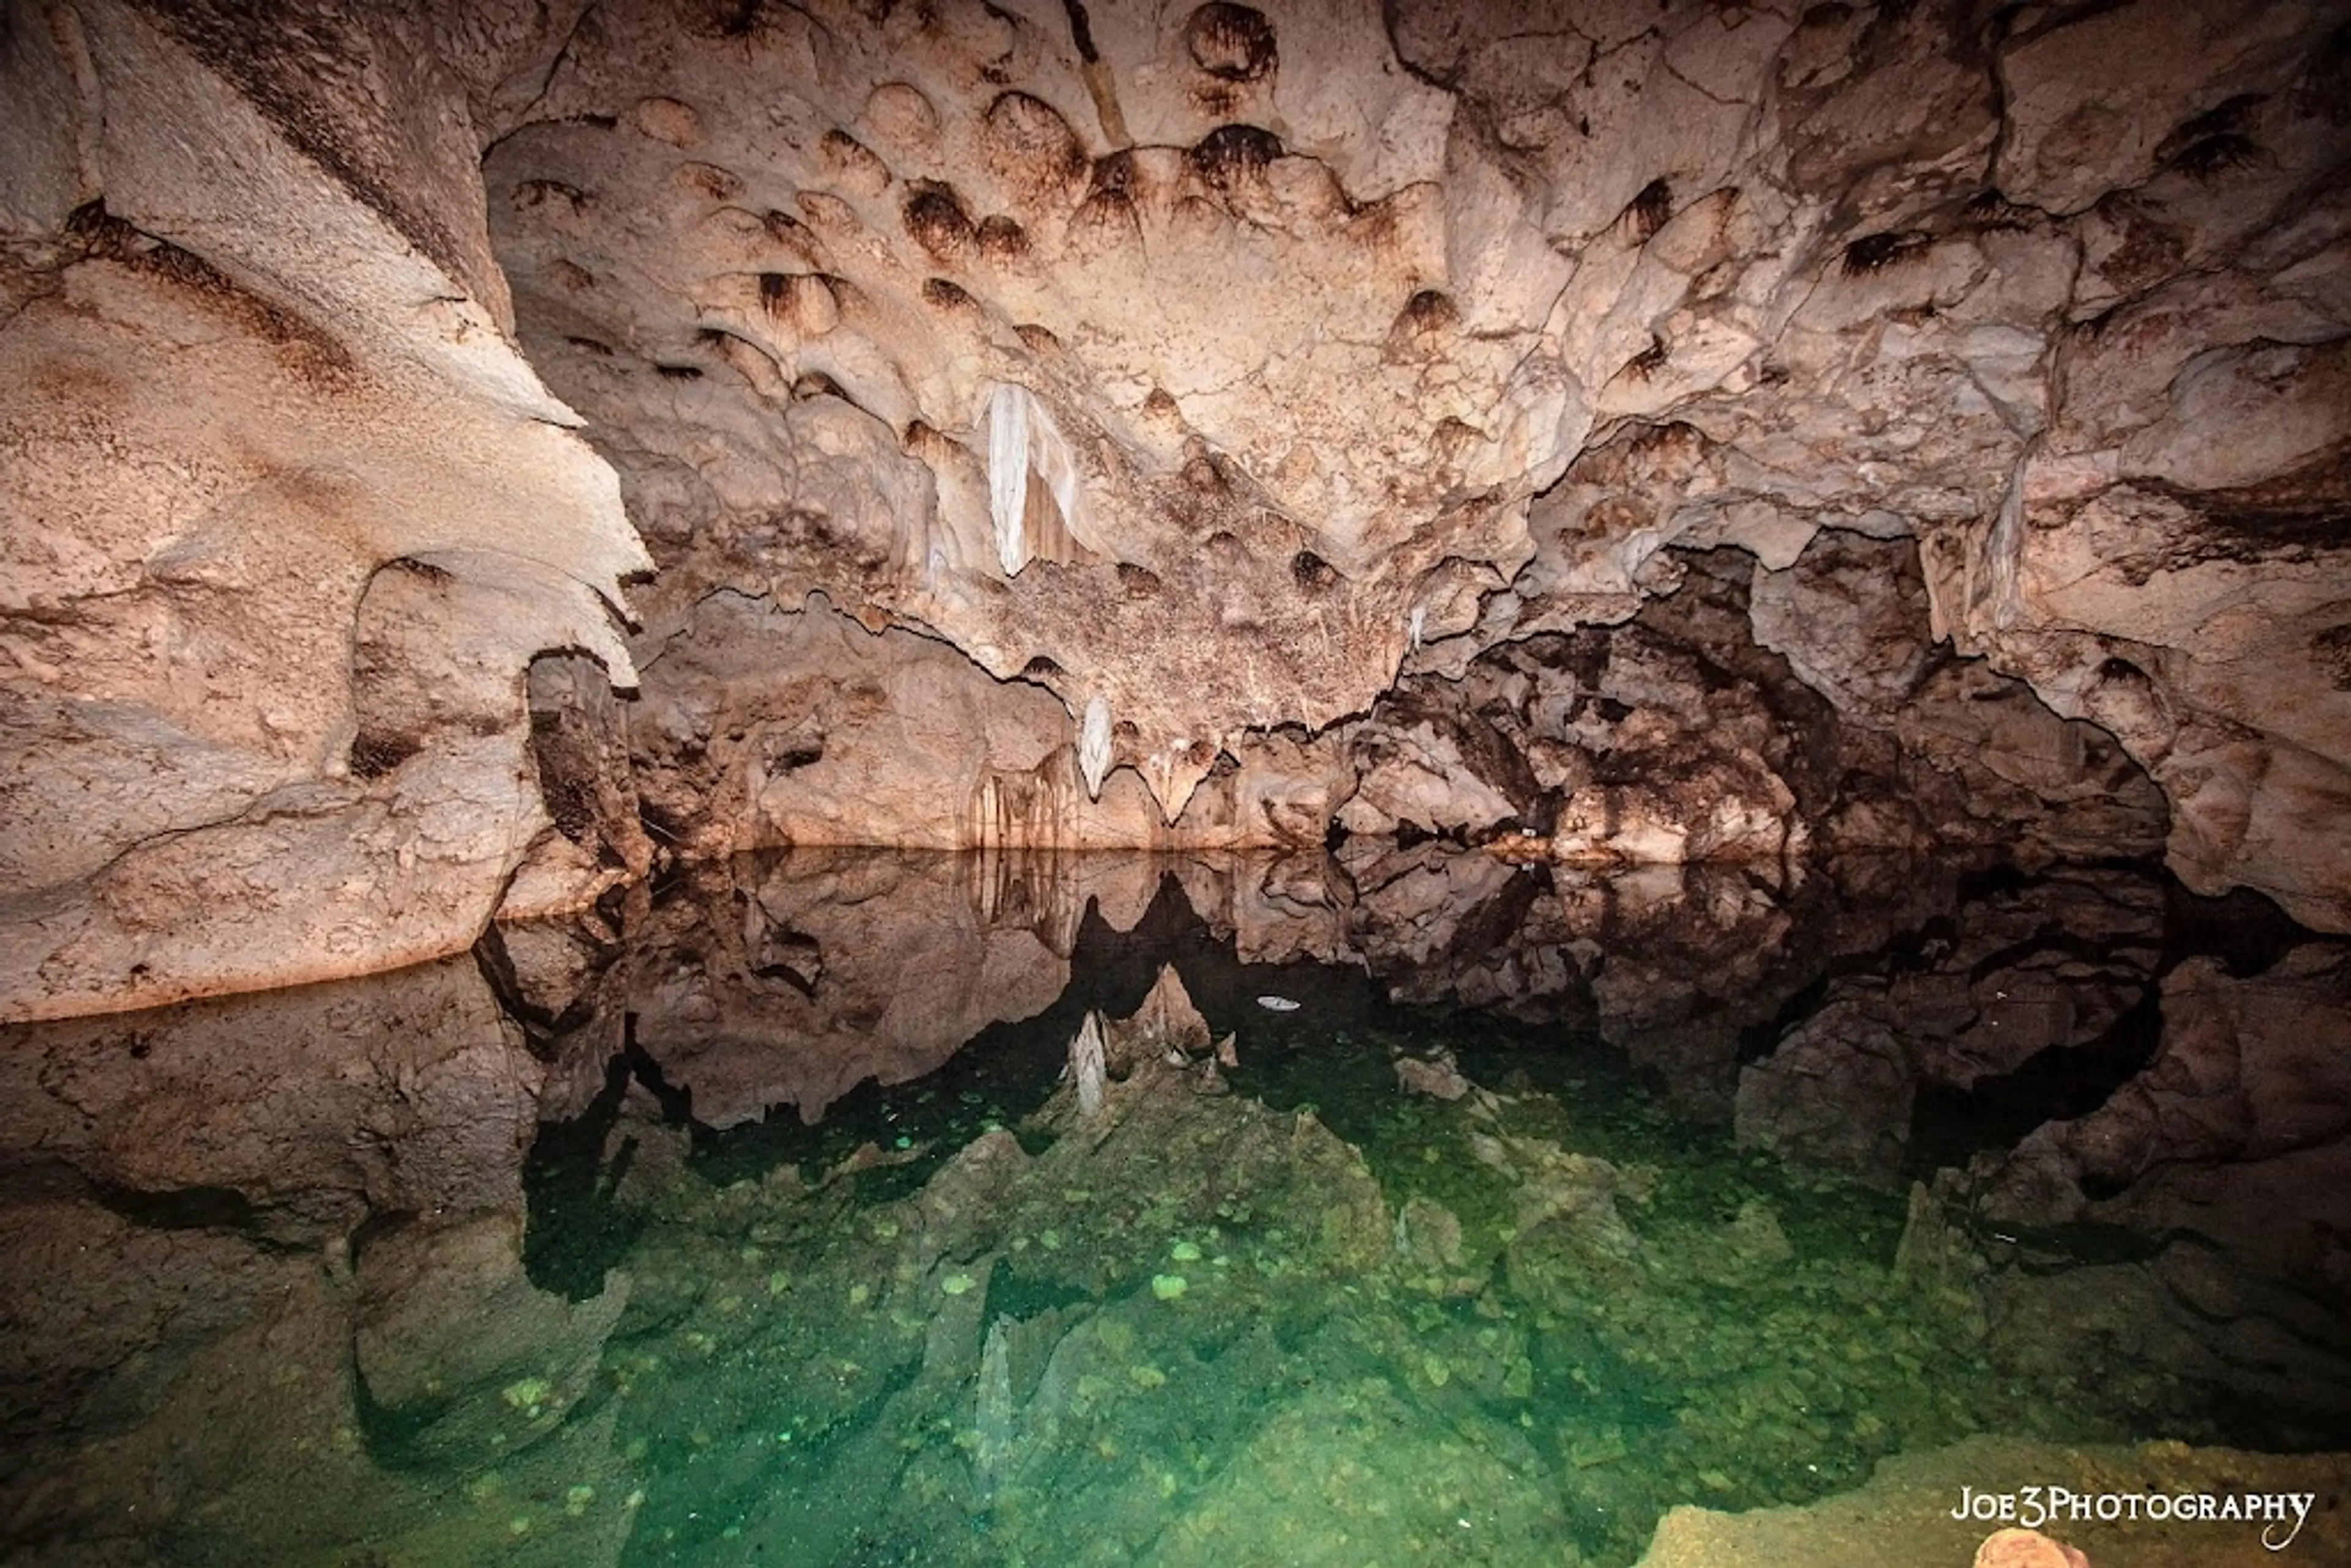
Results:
1303 1319
1359 1282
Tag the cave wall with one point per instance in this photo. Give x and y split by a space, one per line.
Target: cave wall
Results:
763 727
285 511
1750 716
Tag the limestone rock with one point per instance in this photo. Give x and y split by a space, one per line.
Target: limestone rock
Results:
1748 715
1846 614
556 877
1715 810
1438 1077
1422 778
250 372
767 727
1158 332
1168 1021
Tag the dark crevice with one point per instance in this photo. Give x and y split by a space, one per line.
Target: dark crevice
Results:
1081 32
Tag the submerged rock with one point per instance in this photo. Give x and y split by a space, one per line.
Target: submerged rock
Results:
1436 1077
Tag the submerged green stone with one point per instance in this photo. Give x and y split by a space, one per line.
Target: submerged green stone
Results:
1553 1313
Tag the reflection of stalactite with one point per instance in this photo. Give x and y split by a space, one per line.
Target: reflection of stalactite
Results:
1087 1065
1019 878
1032 890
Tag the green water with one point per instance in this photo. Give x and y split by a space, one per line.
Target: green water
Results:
368 1275
1276 1311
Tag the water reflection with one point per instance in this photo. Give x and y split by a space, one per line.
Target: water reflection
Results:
853 1209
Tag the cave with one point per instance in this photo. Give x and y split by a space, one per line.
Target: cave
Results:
981 781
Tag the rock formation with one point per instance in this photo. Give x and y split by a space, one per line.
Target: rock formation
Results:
1199 427
287 511
266 1267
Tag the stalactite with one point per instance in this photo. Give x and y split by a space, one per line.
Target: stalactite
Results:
1008 475
1093 744
1158 771
1024 444
1174 773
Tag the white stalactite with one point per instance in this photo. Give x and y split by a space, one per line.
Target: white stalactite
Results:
1007 474
1093 744
1023 445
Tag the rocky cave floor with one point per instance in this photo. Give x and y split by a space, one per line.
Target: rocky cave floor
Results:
784 1213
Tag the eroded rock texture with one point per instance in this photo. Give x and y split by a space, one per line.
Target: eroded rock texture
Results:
1153 426
1210 379
286 510
1718 725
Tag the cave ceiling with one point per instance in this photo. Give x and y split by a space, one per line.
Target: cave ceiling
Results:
1315 308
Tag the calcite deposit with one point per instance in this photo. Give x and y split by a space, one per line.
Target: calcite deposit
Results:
1671 432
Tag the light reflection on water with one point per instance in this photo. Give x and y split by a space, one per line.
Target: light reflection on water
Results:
788 1229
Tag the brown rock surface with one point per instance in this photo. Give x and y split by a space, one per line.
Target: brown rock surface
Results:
260 397
770 728
1881 367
